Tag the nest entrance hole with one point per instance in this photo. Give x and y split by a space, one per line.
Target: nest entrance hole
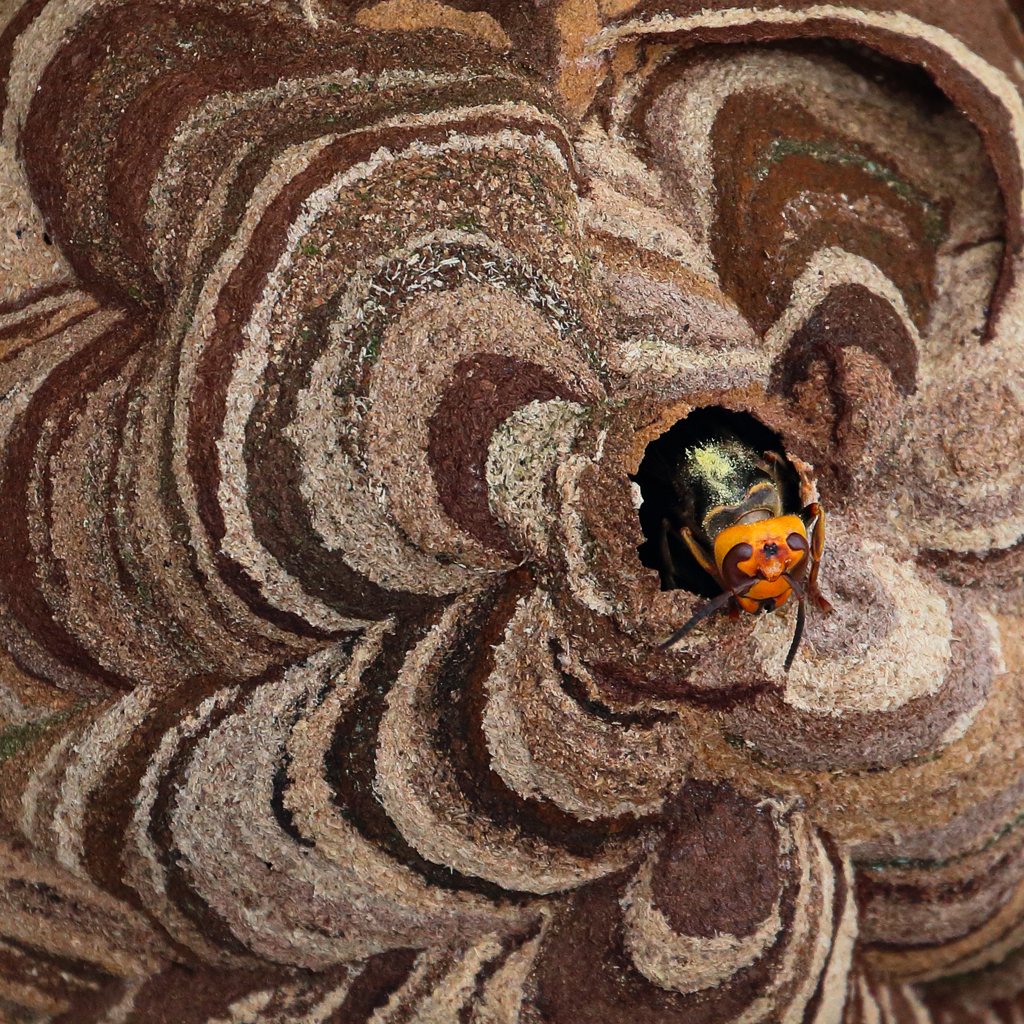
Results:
661 513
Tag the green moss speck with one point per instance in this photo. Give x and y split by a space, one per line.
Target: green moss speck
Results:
927 864
372 349
14 738
830 152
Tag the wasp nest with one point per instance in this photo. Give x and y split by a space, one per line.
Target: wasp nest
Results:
333 335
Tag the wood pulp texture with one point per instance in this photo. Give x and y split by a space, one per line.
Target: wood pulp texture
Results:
330 335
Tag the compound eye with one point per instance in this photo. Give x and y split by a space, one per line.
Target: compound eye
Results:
731 572
797 542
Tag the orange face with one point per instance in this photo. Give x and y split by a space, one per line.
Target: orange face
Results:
776 545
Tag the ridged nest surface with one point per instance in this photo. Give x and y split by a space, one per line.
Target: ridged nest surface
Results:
332 337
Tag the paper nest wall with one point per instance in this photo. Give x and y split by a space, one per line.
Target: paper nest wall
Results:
330 337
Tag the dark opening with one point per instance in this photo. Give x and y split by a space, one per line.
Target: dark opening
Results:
911 81
663 505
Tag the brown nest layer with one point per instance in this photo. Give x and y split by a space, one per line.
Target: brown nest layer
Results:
332 337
